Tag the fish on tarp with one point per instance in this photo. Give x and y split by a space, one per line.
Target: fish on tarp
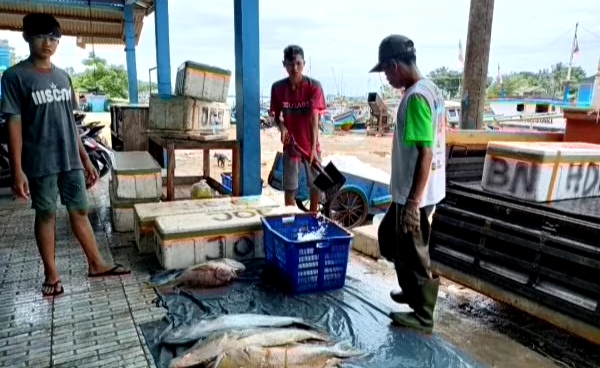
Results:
212 273
293 356
197 330
206 351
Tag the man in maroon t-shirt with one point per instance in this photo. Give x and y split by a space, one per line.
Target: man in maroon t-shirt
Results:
296 104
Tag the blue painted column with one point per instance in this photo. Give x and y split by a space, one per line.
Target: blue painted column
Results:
247 93
163 50
130 53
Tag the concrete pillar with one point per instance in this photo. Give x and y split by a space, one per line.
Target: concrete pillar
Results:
130 53
163 50
477 57
247 92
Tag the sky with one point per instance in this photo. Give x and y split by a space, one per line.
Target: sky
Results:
341 38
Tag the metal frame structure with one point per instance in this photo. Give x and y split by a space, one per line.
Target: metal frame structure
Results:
120 22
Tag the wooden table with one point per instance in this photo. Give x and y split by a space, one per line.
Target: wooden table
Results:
172 142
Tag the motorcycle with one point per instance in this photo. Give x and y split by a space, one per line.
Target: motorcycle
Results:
99 155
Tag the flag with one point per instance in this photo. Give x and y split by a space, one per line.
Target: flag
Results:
461 57
499 76
575 48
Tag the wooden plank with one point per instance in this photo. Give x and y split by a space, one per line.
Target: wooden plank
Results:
190 137
235 172
170 171
482 137
572 325
134 122
206 162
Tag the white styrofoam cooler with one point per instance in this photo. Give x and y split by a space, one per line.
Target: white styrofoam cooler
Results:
180 114
136 175
184 240
202 81
123 210
146 213
542 171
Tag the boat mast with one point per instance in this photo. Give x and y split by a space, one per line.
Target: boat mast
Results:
567 82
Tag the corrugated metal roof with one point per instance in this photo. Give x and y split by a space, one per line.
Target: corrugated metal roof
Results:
102 23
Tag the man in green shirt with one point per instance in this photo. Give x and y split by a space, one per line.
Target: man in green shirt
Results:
418 182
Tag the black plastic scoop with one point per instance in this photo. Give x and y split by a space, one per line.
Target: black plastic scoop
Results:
329 180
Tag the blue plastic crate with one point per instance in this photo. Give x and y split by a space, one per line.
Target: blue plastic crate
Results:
306 265
227 182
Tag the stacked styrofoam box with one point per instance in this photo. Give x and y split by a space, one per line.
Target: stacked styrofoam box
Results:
202 82
199 105
136 178
184 240
184 114
146 213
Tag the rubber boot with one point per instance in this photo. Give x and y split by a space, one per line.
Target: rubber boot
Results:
398 296
421 319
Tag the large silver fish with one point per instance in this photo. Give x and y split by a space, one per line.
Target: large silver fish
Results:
206 351
294 356
187 333
213 273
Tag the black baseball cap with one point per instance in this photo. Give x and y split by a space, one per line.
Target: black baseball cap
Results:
393 46
35 24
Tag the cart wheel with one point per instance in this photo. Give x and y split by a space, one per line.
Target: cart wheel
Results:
348 208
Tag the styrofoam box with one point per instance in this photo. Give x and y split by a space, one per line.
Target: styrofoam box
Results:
542 171
136 175
123 210
202 81
187 115
184 240
146 213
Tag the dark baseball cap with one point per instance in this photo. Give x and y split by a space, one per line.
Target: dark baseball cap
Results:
393 46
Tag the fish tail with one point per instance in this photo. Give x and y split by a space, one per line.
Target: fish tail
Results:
345 349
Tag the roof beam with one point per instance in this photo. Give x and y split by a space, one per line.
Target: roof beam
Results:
118 36
70 17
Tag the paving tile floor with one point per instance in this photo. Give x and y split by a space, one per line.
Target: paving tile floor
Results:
95 322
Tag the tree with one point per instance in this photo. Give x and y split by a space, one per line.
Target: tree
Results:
101 77
548 83
447 80
14 58
387 91
477 57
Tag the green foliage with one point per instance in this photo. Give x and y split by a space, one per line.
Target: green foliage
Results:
14 58
101 77
545 83
449 81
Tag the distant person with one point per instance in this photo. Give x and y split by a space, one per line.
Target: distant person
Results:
46 153
296 104
418 182
82 103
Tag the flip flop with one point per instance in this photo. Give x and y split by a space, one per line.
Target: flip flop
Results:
53 286
112 272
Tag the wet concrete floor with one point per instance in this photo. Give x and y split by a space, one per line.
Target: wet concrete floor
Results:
95 323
